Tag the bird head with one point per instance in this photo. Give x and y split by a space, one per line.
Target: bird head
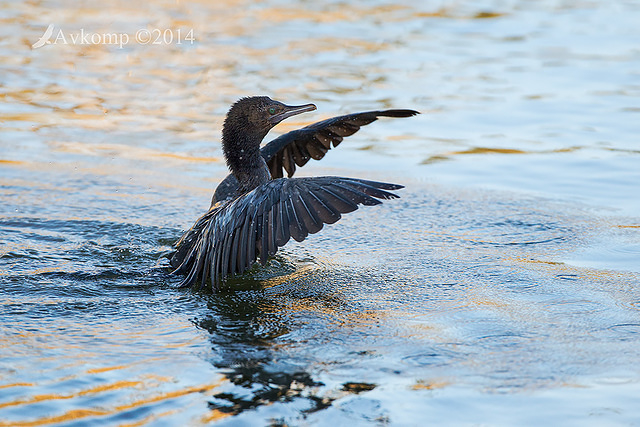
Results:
256 115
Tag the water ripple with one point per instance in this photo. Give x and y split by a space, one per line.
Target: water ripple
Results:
505 277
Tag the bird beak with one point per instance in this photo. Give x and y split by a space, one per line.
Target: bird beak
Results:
291 110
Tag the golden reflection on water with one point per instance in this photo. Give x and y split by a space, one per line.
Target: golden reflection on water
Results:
93 390
131 383
114 85
430 385
79 414
127 151
16 385
337 12
335 307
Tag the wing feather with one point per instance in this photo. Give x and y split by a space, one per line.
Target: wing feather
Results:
326 213
341 203
243 242
282 224
264 241
252 244
297 229
311 221
224 261
231 238
271 228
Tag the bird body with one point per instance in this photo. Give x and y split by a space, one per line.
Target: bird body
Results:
255 210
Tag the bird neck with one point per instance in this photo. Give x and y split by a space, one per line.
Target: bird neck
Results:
241 149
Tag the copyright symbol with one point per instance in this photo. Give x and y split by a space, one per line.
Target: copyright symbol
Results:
143 36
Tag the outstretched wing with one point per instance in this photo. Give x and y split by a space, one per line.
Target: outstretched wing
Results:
232 236
295 148
313 141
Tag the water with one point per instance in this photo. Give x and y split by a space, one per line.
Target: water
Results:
501 289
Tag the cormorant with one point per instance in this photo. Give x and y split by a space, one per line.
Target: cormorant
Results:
255 210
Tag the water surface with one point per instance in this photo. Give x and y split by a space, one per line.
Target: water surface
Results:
501 289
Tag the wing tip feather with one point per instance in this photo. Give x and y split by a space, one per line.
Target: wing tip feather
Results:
398 113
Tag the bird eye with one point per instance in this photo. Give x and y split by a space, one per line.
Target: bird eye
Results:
272 110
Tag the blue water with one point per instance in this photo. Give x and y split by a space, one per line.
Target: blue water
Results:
501 289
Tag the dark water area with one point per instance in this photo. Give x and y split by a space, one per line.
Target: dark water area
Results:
501 289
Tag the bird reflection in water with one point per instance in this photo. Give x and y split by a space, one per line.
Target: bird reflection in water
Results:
251 335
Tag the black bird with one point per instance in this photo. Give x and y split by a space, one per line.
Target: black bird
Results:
254 210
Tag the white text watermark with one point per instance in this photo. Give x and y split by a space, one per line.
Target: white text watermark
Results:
143 36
